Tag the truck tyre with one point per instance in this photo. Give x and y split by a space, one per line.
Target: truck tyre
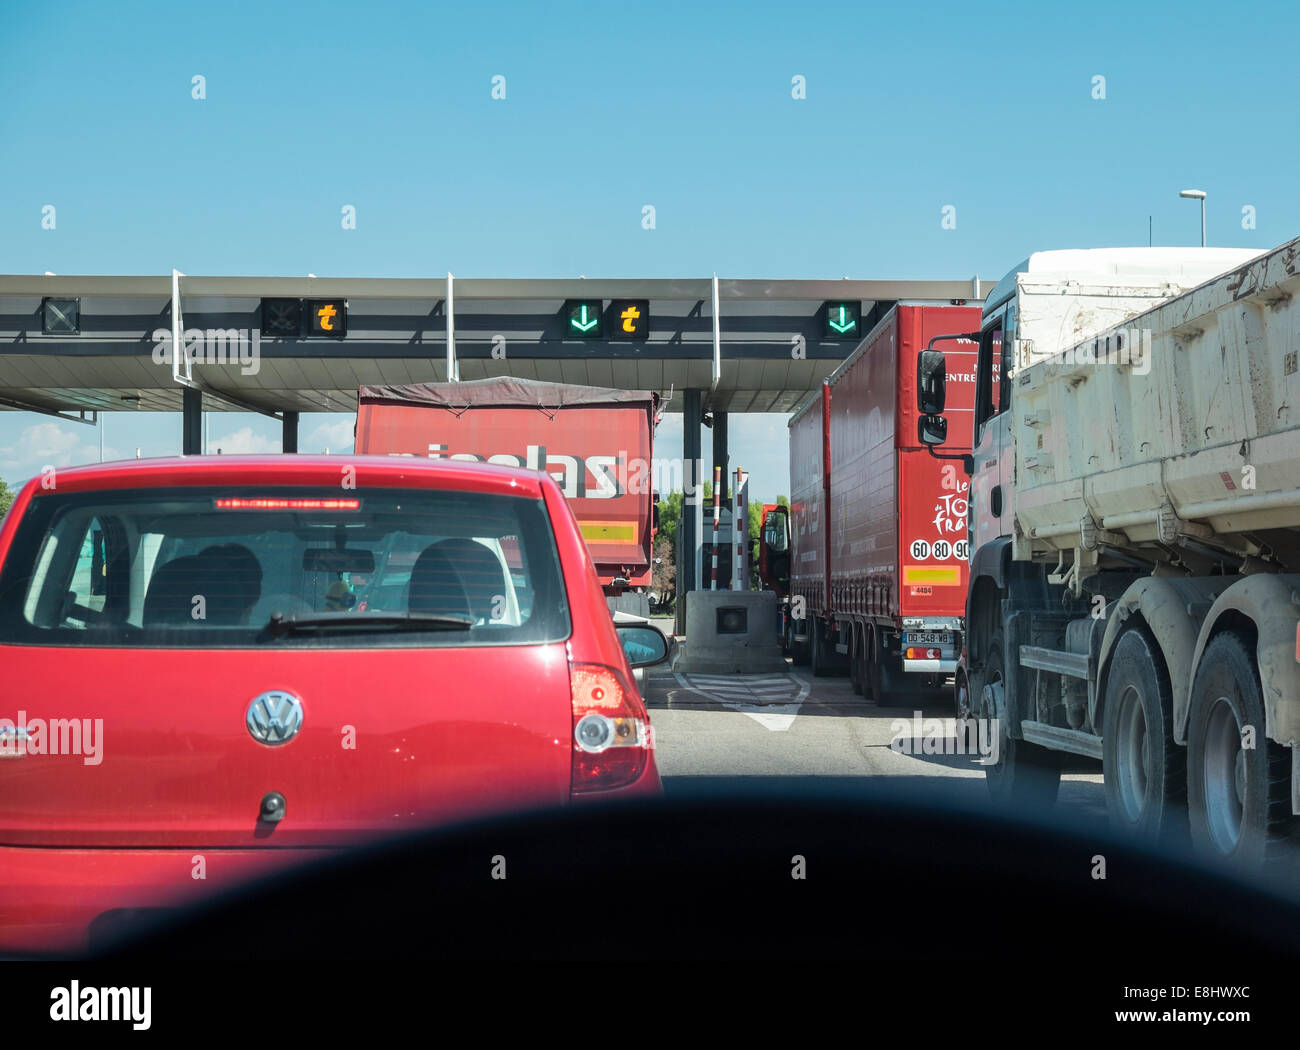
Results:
799 654
885 674
1239 798
1025 775
961 697
817 643
1144 771
855 669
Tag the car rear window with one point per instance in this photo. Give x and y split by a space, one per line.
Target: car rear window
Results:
259 567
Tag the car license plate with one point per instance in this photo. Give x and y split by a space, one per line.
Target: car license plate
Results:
939 638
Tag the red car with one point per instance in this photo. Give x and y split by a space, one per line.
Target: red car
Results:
214 666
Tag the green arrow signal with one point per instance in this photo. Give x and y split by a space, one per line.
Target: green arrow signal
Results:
841 325
585 326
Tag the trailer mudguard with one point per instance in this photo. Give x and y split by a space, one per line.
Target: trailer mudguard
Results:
1272 602
991 560
1163 602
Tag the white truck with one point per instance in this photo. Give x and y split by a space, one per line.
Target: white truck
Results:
1134 590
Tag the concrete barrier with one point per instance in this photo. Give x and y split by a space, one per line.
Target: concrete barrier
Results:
731 632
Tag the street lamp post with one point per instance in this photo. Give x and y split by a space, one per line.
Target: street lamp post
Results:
1200 196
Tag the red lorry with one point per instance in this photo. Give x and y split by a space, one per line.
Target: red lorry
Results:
596 443
877 529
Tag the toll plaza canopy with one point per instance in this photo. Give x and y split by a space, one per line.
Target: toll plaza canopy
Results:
76 346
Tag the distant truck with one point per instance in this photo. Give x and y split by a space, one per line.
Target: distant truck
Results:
596 443
875 550
774 550
1135 576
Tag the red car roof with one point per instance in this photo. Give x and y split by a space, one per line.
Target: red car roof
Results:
294 469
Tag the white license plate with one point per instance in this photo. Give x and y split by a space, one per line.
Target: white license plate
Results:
939 638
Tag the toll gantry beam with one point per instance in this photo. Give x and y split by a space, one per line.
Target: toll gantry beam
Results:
750 345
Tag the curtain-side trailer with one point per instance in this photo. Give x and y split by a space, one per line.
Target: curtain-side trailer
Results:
877 559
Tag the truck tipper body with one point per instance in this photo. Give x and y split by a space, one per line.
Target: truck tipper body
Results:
596 443
1134 591
878 559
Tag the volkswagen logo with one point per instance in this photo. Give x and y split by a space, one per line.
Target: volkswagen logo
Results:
274 718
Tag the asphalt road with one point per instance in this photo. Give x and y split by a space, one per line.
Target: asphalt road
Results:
793 725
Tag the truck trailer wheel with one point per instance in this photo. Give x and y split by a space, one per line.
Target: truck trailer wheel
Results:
799 654
1025 775
886 678
1144 771
821 664
1239 798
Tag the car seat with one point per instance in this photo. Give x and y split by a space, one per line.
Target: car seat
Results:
435 588
481 575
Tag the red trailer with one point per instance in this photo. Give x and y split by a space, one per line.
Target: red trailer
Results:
596 443
878 539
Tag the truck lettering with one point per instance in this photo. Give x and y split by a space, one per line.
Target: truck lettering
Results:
950 511
591 477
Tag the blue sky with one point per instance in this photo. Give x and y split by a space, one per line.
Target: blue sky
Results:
387 107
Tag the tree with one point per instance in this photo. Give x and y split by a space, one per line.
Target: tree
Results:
6 498
755 530
670 513
663 578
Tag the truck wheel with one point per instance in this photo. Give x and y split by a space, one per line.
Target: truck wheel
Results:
799 655
886 677
961 698
817 643
855 672
1144 771
1239 798
1025 775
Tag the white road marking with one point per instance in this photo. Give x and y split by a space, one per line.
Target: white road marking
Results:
759 697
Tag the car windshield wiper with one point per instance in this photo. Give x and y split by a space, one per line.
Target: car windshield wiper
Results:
280 624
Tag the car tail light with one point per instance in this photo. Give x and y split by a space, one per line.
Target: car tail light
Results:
262 503
611 732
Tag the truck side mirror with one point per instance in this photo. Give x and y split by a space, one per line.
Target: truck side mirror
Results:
932 430
930 378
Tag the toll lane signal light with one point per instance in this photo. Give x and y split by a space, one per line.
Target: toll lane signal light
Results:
327 318
282 318
629 319
582 319
60 316
842 320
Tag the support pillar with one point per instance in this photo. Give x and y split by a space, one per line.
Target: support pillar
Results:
288 431
688 542
720 460
191 421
